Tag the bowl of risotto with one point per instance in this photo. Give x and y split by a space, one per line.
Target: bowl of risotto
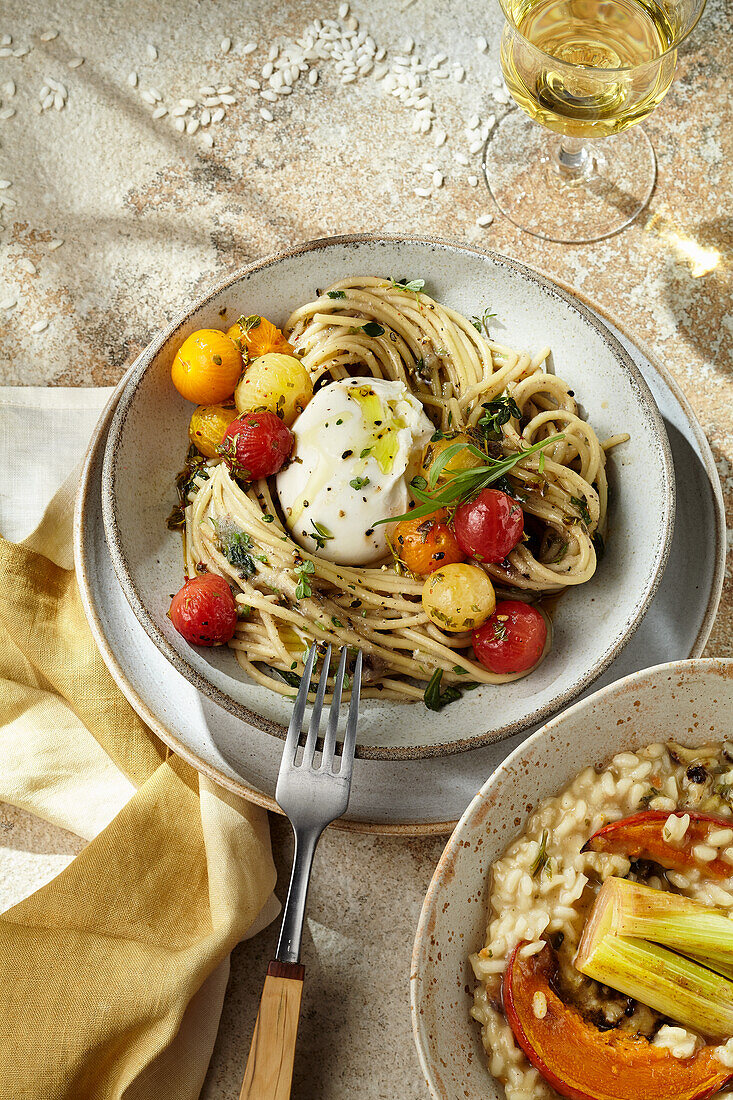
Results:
577 936
410 448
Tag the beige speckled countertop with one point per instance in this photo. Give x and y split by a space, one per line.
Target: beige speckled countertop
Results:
149 216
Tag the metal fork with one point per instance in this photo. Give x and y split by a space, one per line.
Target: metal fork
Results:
312 797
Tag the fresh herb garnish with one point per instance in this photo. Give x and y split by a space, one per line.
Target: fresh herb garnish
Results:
320 535
195 467
371 328
267 518
465 484
227 450
650 795
367 451
413 287
498 412
419 482
435 699
481 322
359 482
291 678
236 545
246 324
499 629
303 588
336 293
541 858
564 547
541 463
599 545
582 506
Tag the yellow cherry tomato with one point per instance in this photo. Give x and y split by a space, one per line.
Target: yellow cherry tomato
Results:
463 460
258 336
207 367
458 597
208 425
279 383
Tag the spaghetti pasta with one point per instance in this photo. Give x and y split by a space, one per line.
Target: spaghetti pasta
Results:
289 597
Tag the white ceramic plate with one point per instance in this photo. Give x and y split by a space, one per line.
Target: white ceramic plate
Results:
592 623
413 797
691 701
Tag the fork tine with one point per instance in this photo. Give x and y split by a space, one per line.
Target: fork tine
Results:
310 742
347 756
296 720
329 744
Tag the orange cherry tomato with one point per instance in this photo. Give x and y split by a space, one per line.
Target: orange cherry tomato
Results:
207 367
426 544
257 336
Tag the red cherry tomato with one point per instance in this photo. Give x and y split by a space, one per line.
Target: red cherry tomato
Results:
204 611
489 526
256 445
513 638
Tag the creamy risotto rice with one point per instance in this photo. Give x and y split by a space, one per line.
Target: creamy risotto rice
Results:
544 886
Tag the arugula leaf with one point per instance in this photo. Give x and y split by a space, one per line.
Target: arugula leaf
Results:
435 699
371 328
498 412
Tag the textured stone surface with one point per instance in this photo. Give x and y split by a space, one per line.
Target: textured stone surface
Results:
150 217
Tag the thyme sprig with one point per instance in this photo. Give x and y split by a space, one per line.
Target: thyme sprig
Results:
466 483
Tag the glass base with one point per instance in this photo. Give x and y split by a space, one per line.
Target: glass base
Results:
594 195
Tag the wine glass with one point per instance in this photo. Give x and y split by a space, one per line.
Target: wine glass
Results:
586 70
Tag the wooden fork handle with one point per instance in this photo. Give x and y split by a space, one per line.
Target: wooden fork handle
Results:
269 1072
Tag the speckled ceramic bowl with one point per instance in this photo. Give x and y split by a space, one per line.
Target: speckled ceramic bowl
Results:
691 701
148 439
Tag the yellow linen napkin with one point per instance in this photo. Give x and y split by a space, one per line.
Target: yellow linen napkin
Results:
112 976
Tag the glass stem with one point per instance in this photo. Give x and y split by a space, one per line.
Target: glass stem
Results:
573 158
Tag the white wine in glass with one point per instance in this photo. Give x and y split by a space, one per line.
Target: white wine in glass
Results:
584 69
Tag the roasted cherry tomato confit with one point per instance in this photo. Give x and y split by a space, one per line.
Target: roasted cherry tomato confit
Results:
249 387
